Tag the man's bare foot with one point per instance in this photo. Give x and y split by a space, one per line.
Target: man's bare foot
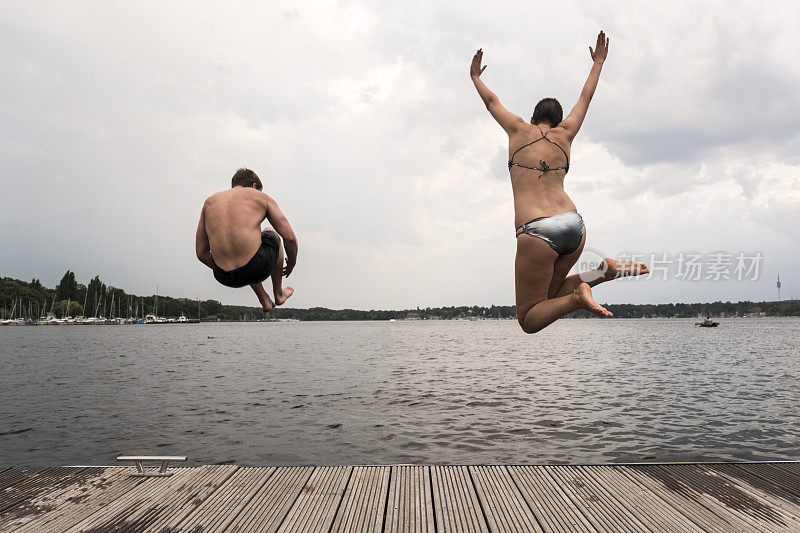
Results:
582 296
284 295
614 269
266 303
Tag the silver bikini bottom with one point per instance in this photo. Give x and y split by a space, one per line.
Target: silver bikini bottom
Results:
563 232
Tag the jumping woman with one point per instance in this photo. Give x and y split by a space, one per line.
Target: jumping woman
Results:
550 232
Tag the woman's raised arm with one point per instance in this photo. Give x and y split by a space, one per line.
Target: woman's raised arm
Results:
508 120
575 118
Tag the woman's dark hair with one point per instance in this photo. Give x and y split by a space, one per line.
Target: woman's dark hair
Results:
246 178
548 110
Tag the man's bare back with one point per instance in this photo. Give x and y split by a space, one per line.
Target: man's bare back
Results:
230 240
233 225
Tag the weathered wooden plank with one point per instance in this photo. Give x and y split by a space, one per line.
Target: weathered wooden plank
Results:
787 482
671 498
604 512
155 500
758 489
503 504
315 507
690 504
60 508
549 502
220 509
182 505
39 482
761 513
792 468
268 507
455 501
645 505
15 475
410 504
686 492
143 492
364 502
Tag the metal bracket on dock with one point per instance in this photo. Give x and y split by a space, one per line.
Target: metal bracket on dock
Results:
140 470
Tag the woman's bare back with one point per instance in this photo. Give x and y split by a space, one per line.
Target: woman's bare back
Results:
538 194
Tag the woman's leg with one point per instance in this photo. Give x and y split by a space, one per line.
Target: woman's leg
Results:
561 268
562 285
534 273
608 270
534 267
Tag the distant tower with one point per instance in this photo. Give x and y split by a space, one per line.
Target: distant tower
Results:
779 286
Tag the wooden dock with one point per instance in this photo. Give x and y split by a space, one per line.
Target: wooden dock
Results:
676 498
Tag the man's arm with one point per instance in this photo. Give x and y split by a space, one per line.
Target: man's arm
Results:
202 246
507 120
281 225
575 118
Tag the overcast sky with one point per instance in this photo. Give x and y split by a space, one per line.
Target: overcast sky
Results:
120 118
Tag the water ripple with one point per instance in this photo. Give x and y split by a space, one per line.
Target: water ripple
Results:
402 392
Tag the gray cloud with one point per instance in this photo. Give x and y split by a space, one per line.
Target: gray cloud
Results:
118 120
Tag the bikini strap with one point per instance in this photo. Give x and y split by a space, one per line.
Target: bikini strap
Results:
563 151
544 136
511 161
545 168
540 170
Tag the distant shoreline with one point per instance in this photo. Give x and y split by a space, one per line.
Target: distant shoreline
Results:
403 320
33 301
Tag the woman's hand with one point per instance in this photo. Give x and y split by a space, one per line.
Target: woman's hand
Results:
475 69
600 51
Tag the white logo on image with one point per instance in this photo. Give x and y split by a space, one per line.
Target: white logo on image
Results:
591 265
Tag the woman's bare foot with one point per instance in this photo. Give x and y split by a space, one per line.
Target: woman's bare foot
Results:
283 296
266 303
614 269
582 296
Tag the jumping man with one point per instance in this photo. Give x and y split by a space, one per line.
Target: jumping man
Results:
230 240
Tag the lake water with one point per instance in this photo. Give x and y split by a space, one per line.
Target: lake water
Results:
295 393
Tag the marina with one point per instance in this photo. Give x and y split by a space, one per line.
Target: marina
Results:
36 313
685 497
96 321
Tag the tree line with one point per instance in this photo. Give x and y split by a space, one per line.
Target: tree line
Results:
70 298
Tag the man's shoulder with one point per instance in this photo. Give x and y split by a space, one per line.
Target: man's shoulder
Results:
217 196
236 195
254 195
